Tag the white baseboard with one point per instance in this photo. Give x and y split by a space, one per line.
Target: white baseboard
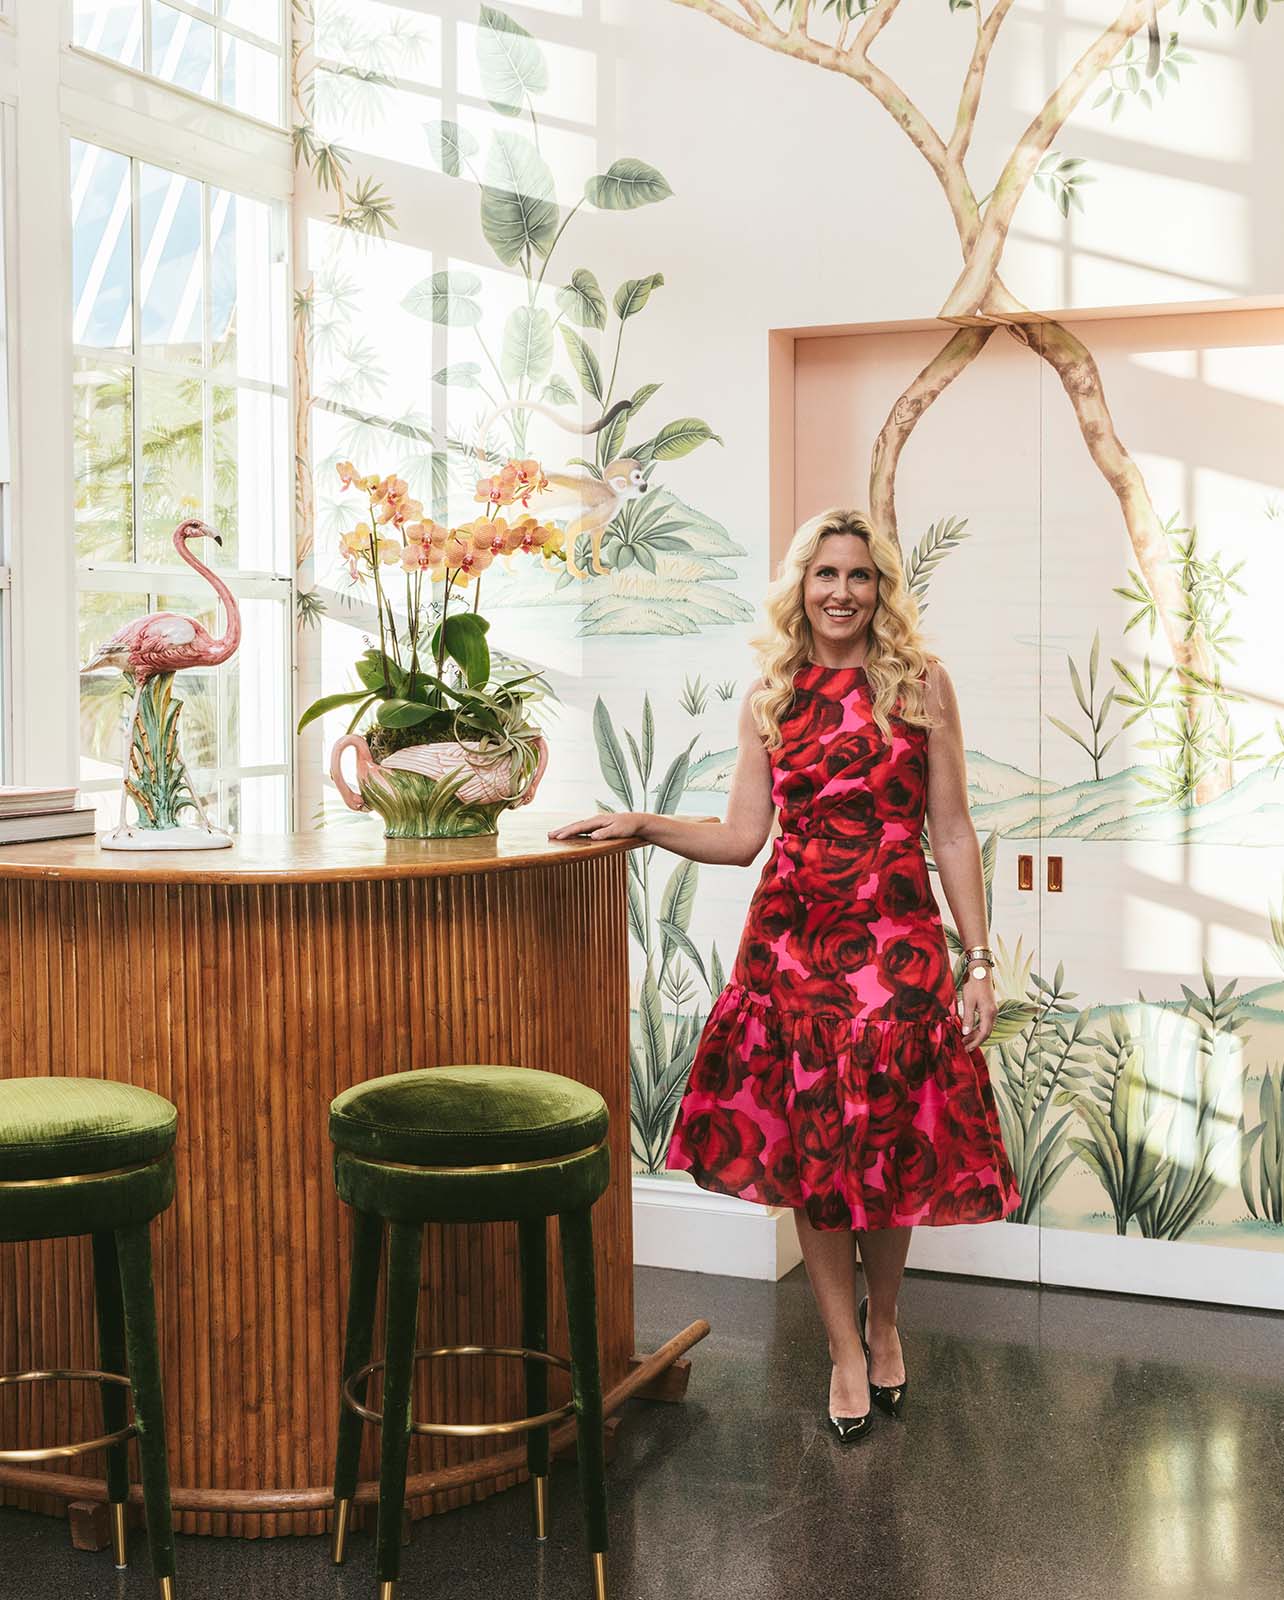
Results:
981 1250
676 1224
1171 1269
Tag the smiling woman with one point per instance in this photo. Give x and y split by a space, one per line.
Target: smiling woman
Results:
834 1074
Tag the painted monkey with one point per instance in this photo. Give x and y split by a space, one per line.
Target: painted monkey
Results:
597 499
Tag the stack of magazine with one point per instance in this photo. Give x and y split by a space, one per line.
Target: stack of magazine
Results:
42 814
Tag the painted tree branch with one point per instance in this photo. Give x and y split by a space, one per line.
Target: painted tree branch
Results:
983 257
850 63
980 291
872 26
970 98
757 15
1080 376
936 376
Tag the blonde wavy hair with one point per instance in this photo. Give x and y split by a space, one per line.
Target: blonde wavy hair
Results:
896 659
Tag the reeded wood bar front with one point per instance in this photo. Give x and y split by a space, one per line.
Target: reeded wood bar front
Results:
249 986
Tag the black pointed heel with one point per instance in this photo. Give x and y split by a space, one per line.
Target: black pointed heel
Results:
850 1430
888 1397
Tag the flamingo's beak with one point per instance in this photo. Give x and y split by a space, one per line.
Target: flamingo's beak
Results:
217 537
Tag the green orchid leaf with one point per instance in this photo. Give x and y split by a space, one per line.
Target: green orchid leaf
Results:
330 702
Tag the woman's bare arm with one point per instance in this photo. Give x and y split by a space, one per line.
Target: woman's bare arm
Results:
734 841
954 843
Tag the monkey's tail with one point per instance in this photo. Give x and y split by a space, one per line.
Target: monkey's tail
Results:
585 429
1153 43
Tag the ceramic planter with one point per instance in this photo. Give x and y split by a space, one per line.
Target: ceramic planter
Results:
443 790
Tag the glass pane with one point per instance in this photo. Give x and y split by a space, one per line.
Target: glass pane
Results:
102 405
249 441
182 49
171 435
255 16
253 689
198 689
245 327
111 27
251 79
103 696
255 805
169 222
100 248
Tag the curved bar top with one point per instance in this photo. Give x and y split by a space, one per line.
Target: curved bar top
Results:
249 986
355 850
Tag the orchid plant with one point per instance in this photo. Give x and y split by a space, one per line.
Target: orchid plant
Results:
426 687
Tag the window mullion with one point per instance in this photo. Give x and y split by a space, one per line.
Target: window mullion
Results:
136 369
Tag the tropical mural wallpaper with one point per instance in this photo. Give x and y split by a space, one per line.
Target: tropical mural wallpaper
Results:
1156 1115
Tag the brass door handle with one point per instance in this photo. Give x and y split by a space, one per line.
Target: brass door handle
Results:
1025 872
1054 874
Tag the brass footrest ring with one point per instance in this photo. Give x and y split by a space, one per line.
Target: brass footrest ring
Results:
57 1452
465 1430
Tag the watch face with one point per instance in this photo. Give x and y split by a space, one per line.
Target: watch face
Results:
980 972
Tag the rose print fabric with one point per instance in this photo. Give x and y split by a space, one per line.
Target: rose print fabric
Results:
832 1072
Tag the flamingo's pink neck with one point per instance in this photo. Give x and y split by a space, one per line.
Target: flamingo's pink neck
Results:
231 637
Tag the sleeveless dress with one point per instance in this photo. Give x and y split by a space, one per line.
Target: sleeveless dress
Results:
832 1072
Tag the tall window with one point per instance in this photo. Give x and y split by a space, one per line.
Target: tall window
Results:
179 335
227 50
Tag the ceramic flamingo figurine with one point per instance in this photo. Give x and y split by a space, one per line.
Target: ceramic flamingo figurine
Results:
164 642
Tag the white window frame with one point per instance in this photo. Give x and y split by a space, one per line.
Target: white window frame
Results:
222 28
50 93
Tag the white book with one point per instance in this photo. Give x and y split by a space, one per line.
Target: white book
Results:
22 801
56 825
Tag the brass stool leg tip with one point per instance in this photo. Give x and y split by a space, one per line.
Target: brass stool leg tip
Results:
119 1543
388 1590
166 1588
339 1535
539 1503
599 1575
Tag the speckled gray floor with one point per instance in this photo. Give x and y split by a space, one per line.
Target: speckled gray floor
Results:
1056 1446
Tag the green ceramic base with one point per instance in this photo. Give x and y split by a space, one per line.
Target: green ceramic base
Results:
415 807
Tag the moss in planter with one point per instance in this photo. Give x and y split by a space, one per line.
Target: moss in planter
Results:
384 741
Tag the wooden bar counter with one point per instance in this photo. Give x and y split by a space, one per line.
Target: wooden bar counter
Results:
249 986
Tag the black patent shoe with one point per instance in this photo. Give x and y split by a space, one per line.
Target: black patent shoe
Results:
851 1430
888 1397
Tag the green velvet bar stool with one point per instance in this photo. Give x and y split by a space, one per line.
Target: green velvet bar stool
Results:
88 1156
469 1144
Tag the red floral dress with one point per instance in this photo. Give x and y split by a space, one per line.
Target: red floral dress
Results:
832 1072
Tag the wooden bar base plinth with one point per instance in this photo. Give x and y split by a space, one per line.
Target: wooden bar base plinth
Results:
250 986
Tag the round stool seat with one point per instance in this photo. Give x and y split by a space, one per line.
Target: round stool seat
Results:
82 1155
69 1127
468 1116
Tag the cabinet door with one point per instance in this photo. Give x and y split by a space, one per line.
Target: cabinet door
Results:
967 505
1162 804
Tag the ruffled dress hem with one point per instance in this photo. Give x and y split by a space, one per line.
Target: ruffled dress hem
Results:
863 1122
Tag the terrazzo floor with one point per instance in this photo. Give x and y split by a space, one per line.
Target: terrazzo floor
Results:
1056 1446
